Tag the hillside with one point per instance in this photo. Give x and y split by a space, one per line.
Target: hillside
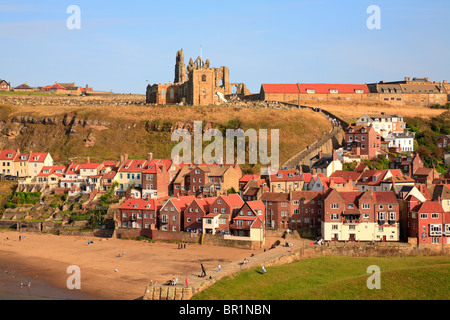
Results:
102 128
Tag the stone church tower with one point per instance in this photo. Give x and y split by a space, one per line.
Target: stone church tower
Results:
180 68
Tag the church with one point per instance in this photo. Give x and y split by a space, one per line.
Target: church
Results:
195 84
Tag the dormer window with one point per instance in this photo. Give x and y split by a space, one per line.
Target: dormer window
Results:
9 155
136 205
279 175
334 91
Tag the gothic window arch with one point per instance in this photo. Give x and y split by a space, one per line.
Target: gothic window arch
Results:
204 77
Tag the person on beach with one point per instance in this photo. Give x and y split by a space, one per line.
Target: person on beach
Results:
186 282
219 267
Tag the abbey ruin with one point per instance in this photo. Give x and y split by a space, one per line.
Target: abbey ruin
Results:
196 84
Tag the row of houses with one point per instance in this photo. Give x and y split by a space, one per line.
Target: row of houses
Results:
415 91
57 88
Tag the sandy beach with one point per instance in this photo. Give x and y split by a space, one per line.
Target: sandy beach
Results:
105 275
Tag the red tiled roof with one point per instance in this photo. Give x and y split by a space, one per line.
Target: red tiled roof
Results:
423 171
346 175
141 204
4 154
431 207
19 155
155 166
233 200
40 156
134 165
181 202
257 205
284 175
52 170
280 88
384 197
90 165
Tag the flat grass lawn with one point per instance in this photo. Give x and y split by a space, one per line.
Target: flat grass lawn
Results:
339 278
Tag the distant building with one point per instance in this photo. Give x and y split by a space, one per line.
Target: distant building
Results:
383 124
418 91
23 88
4 86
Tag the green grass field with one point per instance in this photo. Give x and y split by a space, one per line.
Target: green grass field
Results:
339 278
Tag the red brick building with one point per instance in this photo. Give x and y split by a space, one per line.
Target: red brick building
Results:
428 222
251 212
293 210
362 141
172 213
139 214
195 212
157 178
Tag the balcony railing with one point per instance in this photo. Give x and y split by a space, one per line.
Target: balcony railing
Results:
239 227
348 221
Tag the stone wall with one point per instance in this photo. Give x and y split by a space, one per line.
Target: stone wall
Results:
218 240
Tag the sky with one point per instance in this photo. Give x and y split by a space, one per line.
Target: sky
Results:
122 46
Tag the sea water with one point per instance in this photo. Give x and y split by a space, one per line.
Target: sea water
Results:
11 289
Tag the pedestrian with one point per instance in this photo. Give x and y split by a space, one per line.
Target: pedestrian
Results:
219 267
185 246
20 237
186 282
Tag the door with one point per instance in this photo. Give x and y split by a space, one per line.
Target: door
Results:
352 237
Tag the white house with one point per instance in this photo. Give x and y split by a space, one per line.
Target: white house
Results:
403 141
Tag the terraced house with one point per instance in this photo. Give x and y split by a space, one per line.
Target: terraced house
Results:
208 180
7 162
286 180
139 214
360 216
294 209
428 222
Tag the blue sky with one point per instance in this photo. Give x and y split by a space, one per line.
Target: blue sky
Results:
122 45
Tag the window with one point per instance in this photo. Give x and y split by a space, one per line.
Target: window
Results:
334 216
434 215
203 77
366 216
334 227
366 206
392 216
423 216
335 206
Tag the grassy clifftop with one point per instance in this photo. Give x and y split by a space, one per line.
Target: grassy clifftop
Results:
104 131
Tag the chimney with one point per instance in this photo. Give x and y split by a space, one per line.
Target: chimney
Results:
150 156
445 81
335 155
163 166
320 154
88 160
406 78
